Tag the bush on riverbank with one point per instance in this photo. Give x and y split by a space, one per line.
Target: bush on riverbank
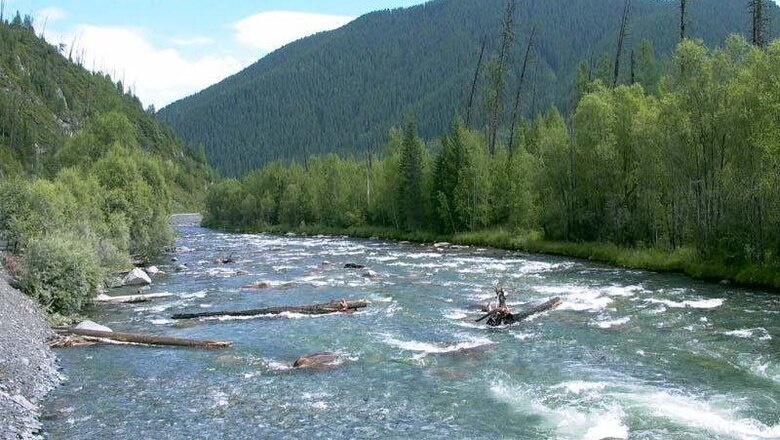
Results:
62 273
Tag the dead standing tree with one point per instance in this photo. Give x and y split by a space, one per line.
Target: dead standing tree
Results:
621 41
760 22
470 104
496 104
516 108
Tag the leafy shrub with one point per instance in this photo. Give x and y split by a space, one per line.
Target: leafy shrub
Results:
61 272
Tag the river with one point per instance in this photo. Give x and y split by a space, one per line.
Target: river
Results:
629 354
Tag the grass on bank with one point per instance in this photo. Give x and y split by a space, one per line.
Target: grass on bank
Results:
681 260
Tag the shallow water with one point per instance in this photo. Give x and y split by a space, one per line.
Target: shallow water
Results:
629 354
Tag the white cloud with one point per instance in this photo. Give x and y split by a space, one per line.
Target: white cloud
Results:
48 16
194 41
271 30
158 76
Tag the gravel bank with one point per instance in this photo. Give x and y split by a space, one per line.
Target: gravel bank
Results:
27 365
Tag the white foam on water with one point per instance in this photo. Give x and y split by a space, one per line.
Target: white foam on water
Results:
206 306
383 258
454 314
750 333
220 398
577 298
523 335
283 315
320 405
694 304
568 421
624 291
198 294
162 321
580 386
435 348
691 412
275 365
760 366
612 323
419 255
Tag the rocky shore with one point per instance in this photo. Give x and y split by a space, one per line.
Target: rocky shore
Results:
27 365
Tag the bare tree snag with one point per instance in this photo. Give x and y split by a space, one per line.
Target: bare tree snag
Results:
759 21
507 37
621 40
103 336
342 306
501 315
516 108
470 104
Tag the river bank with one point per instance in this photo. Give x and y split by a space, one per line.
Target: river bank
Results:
681 260
28 369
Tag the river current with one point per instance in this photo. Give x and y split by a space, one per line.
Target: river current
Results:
629 354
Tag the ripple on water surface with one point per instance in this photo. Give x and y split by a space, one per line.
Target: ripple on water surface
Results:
628 354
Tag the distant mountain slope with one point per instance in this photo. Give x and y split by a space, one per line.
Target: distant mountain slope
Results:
340 91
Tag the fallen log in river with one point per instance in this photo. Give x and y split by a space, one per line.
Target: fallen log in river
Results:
502 316
109 336
314 309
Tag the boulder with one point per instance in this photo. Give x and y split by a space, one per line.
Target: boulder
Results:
442 244
136 277
183 250
370 274
152 270
92 325
181 268
317 360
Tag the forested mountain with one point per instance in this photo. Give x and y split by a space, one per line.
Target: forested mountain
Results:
88 178
340 91
683 178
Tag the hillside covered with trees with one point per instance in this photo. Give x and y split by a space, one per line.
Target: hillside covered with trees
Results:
340 91
88 178
683 171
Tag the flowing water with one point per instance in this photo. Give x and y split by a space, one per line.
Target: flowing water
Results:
629 354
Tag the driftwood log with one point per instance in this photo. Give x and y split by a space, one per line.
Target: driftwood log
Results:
503 316
103 336
314 309
130 299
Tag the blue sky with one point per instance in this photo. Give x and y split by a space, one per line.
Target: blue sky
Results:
168 49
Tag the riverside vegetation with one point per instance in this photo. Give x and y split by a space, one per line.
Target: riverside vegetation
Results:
678 173
88 178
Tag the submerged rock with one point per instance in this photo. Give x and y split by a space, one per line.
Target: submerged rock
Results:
181 268
92 325
257 286
136 277
152 270
325 359
370 274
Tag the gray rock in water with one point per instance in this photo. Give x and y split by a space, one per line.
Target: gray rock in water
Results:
370 274
152 270
181 268
92 325
324 359
136 277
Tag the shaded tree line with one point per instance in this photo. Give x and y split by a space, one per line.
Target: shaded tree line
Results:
689 161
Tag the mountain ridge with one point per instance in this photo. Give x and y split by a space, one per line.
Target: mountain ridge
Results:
340 91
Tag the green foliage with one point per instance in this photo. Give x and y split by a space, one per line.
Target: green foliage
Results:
341 91
684 179
87 177
61 272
